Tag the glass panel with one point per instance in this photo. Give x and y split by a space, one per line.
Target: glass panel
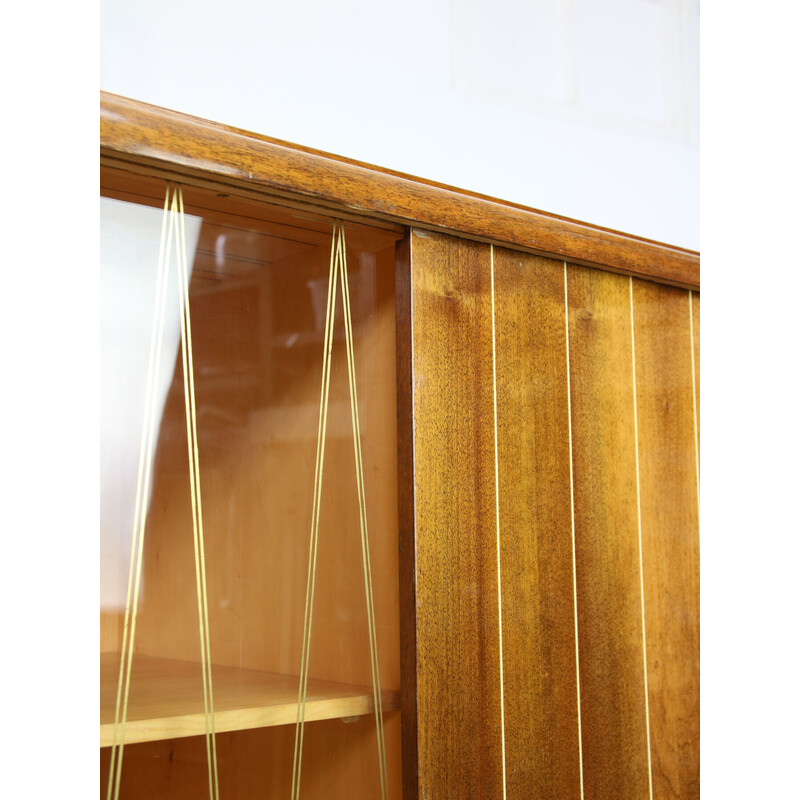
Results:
257 297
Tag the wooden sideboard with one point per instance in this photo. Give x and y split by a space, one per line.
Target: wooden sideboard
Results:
529 390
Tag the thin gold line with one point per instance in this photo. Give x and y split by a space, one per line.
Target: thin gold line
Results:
641 565
139 477
572 516
143 515
297 761
497 527
188 416
196 496
210 722
189 443
362 505
694 405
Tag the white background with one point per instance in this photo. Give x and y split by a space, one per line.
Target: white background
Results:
49 401
582 108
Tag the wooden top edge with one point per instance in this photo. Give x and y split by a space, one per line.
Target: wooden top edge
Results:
138 133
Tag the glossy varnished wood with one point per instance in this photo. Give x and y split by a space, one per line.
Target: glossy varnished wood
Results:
611 643
696 337
181 147
459 736
406 527
458 661
450 665
541 704
285 230
166 700
670 540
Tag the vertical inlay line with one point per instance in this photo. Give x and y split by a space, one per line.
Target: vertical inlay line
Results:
140 512
497 528
362 505
694 405
196 495
641 565
572 516
297 761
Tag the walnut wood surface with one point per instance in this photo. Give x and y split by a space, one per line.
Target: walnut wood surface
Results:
670 540
696 328
458 663
459 738
406 527
142 136
613 719
541 708
254 460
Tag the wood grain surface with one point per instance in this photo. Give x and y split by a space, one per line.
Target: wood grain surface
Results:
186 148
339 763
458 659
166 699
611 643
637 714
406 523
670 540
429 410
696 337
539 661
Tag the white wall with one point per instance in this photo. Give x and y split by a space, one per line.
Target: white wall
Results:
585 108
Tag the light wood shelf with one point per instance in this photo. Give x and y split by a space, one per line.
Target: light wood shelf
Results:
166 699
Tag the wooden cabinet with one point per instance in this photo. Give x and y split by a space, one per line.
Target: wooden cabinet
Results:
523 391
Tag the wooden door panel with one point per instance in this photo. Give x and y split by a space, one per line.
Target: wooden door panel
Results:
458 659
539 655
554 511
670 541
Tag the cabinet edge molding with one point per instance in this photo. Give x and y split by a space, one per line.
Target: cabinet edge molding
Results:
182 147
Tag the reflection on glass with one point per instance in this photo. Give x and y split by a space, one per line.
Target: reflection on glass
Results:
129 240
257 296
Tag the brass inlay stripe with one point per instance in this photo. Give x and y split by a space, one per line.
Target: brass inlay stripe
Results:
194 484
297 760
572 517
641 565
173 211
362 504
139 515
497 525
338 269
694 406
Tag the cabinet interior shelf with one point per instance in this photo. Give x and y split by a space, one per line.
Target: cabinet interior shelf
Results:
166 699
